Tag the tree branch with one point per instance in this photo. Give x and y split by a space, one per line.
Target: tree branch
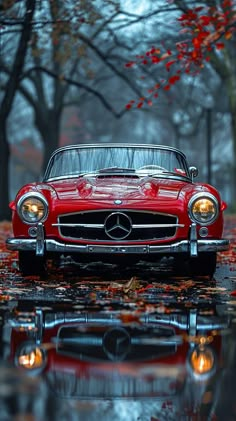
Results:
72 82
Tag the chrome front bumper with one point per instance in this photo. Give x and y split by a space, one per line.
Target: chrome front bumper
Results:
192 246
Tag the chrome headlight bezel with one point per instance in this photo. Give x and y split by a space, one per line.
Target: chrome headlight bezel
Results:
202 362
39 198
30 357
200 196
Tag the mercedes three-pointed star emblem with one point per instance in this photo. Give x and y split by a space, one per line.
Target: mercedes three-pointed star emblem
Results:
116 343
118 225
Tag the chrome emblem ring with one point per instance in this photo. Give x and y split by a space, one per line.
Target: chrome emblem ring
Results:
116 343
118 225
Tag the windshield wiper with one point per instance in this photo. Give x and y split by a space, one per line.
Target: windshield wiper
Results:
116 170
167 172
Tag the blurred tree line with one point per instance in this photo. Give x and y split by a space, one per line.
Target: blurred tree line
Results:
64 58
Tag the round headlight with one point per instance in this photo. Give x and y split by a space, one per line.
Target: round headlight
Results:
203 208
202 361
32 208
31 357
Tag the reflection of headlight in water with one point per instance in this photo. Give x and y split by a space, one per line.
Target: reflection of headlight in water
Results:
31 357
202 361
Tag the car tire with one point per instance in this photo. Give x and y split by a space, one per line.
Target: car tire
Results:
30 264
203 265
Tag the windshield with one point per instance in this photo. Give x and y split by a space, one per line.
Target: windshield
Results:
99 160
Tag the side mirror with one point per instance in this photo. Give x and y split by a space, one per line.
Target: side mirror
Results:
193 172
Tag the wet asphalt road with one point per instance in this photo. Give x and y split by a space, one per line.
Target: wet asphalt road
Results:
109 283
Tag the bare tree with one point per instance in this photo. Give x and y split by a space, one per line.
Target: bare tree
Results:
7 101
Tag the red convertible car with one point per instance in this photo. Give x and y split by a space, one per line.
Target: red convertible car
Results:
118 203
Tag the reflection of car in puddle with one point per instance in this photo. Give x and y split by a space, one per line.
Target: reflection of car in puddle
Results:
89 355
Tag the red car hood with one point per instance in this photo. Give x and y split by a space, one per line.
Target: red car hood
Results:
118 188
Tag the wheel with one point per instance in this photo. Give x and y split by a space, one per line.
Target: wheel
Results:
203 265
30 264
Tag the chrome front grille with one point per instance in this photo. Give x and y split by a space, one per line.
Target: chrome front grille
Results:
117 225
116 343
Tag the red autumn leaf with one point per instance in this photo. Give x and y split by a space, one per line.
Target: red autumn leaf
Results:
155 59
129 318
128 106
155 51
227 3
174 79
167 88
205 20
220 45
140 104
198 9
182 17
169 64
149 103
228 35
130 64
194 54
197 42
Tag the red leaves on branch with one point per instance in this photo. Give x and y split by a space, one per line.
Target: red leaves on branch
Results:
169 64
130 64
206 29
173 79
220 45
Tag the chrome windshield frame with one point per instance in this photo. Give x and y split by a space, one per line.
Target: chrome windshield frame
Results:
47 177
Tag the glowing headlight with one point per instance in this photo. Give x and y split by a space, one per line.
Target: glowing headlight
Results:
203 208
32 208
202 361
31 357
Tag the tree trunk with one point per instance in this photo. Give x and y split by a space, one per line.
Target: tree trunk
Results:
6 104
49 128
5 212
231 88
233 126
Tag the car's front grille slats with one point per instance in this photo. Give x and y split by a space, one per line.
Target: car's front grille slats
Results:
121 225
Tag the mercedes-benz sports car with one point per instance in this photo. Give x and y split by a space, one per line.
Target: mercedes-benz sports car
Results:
118 203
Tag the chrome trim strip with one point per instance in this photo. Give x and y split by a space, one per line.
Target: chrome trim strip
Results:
79 225
121 209
177 247
51 320
133 226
